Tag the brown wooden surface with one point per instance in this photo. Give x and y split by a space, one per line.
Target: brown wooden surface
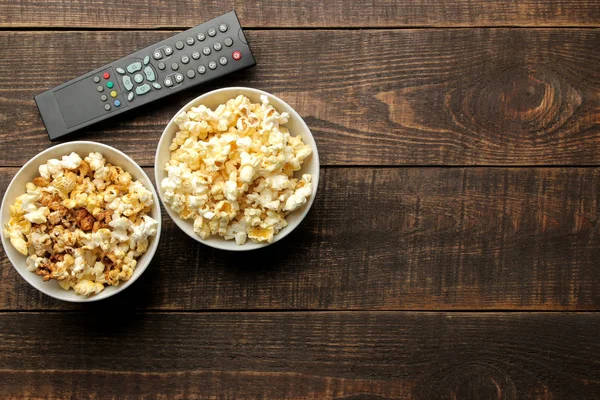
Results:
356 355
153 14
390 239
420 97
458 209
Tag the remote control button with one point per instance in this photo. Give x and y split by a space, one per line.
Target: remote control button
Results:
168 50
201 69
117 103
174 66
106 75
157 55
146 60
212 65
134 67
196 55
228 42
189 40
206 51
107 107
138 78
217 46
179 45
127 82
100 88
223 27
201 36
109 84
130 96
121 71
185 59
156 85
178 78
149 72
190 74
103 97
96 79
212 32
161 66
143 89
223 60
113 94
236 55
168 82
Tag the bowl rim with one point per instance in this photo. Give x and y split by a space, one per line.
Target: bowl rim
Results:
79 298
223 244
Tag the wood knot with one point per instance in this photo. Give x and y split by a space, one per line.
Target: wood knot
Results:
517 103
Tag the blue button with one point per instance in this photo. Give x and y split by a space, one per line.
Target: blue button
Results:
117 103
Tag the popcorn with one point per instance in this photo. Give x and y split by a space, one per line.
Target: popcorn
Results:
231 170
83 222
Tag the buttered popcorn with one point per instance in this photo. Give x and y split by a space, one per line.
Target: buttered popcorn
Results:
231 170
82 222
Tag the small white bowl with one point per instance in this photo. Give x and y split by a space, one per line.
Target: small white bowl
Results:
296 125
29 171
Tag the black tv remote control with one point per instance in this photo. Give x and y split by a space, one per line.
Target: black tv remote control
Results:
205 52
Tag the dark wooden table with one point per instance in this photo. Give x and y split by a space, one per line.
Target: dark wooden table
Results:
452 252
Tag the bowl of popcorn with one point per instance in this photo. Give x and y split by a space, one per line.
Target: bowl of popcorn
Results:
237 169
81 221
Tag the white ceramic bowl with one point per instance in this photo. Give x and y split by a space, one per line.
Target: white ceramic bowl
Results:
296 125
29 171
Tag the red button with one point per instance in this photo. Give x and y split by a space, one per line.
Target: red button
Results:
106 75
236 55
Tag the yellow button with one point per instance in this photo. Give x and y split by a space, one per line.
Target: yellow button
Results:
113 93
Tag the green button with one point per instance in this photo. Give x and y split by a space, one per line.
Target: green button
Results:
109 84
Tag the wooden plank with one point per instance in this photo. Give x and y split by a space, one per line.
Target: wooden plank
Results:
434 97
151 14
366 355
390 239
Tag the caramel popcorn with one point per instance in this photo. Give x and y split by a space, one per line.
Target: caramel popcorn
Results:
82 222
231 170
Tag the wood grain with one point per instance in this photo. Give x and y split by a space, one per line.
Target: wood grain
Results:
390 239
114 353
417 97
150 14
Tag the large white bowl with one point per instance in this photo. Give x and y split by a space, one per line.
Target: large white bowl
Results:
29 171
296 125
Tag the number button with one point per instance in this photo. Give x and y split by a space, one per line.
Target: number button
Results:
201 69
190 74
178 78
212 32
206 51
212 65
179 45
196 55
223 60
223 27
201 36
217 46
228 42
189 41
168 50
185 59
